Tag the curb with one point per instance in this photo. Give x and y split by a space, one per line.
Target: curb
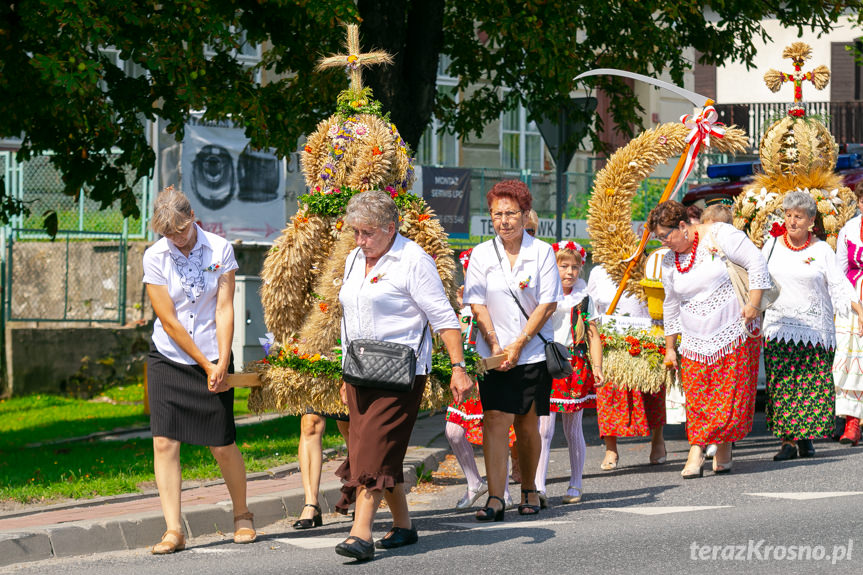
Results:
136 531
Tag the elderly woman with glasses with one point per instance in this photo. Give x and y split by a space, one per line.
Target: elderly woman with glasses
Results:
799 334
719 358
513 287
391 292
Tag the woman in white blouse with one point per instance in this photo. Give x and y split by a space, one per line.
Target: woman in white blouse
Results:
189 275
719 359
391 291
798 330
848 363
512 267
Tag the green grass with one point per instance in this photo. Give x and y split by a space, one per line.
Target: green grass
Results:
84 469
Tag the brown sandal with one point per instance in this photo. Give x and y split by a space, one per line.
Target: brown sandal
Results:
244 534
171 541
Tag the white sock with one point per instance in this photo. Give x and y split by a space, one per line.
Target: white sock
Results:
463 451
577 449
546 433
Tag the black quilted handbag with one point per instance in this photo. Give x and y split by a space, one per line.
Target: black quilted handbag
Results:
381 364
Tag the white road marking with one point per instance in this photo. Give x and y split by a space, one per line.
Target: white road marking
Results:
312 542
802 496
663 510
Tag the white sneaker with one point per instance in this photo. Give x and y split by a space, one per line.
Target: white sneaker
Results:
711 450
470 497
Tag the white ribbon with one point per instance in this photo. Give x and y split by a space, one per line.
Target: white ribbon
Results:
700 129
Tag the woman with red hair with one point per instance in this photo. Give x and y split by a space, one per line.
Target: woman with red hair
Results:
512 286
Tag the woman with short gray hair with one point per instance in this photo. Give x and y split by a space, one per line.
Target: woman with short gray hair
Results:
391 292
799 333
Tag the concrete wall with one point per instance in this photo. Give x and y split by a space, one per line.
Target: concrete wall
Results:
82 357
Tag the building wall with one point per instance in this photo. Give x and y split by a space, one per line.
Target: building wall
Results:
735 84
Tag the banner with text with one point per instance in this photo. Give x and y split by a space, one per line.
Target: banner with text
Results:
447 192
572 229
236 192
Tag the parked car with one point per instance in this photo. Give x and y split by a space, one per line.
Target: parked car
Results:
736 176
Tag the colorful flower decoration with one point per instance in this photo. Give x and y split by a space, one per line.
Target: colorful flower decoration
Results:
353 62
324 307
569 245
777 229
464 258
376 279
424 217
524 283
213 267
809 260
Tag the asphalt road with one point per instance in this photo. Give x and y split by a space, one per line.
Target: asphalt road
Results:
801 516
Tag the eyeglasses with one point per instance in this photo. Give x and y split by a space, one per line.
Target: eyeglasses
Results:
663 237
497 216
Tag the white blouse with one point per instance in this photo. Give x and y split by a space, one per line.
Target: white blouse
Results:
701 304
601 289
561 321
534 279
395 300
813 288
193 286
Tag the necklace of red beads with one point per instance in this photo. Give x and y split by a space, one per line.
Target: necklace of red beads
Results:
792 248
691 263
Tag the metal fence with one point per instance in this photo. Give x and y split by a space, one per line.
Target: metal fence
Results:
65 280
39 185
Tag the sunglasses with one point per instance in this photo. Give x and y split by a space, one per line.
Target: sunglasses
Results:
531 231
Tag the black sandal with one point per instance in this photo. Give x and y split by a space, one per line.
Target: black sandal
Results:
315 521
526 508
489 513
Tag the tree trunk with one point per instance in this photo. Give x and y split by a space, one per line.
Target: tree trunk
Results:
412 31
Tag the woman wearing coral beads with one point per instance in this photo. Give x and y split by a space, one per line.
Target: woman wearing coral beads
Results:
507 274
719 359
574 323
625 412
848 364
799 335
189 275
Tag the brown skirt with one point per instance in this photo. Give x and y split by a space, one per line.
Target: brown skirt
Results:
381 426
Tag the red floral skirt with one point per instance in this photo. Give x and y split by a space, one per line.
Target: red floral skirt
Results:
576 392
720 397
468 414
628 413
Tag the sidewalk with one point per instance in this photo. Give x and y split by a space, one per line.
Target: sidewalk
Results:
135 520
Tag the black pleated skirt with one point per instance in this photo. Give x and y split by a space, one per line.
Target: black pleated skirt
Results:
183 408
514 390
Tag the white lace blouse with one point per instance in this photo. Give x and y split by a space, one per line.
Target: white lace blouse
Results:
700 304
813 288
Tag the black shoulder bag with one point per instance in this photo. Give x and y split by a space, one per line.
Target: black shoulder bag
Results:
380 364
557 358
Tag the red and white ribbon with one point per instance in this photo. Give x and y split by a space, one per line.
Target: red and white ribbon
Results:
701 127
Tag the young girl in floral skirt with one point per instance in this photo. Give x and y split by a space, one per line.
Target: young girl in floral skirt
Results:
574 326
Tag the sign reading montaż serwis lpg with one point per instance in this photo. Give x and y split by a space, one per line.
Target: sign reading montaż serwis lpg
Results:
447 192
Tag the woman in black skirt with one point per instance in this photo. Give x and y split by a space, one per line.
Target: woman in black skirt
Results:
189 275
509 266
391 292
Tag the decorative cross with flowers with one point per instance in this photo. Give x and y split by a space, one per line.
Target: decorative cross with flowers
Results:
799 52
354 60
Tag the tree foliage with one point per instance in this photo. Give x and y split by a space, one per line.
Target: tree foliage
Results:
60 91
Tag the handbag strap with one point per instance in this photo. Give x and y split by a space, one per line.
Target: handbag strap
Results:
515 297
345 327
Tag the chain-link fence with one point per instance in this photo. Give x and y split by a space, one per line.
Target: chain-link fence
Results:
66 280
39 185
